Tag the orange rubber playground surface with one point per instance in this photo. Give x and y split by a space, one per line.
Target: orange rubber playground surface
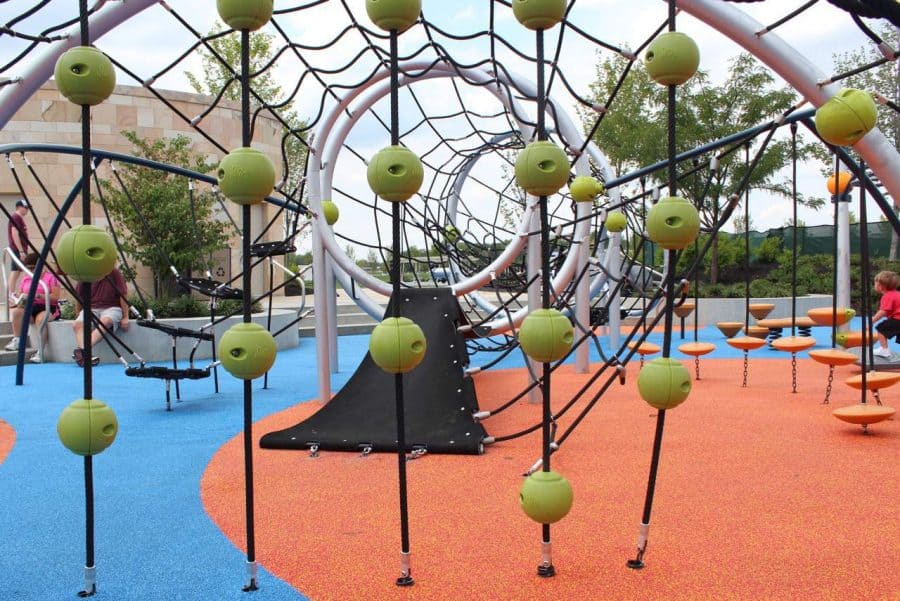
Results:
761 494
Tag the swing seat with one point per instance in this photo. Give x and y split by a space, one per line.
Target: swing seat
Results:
746 343
875 380
644 348
212 288
175 332
167 373
833 356
793 344
684 309
697 349
761 310
730 328
824 316
272 249
863 413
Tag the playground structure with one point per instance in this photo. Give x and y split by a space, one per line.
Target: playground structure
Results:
442 216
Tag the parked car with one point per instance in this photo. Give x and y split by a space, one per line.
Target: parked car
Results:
440 275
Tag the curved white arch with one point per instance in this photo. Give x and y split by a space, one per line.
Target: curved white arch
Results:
800 73
329 144
13 96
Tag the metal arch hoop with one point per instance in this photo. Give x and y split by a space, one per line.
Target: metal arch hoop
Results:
14 96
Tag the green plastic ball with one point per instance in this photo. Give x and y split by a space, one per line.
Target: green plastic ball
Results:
246 176
846 117
451 233
542 168
616 221
546 335
87 427
397 345
245 14
673 223
585 188
84 75
546 497
539 14
395 173
330 211
86 253
247 350
394 14
672 58
664 383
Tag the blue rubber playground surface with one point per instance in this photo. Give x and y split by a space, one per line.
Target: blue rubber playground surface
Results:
154 541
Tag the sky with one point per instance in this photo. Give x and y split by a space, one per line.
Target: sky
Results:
153 39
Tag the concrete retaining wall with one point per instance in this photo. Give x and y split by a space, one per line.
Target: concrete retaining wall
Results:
712 310
153 345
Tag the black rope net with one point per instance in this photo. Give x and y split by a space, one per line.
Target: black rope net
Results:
465 109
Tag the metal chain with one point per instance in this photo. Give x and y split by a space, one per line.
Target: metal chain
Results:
877 396
828 386
697 367
794 371
746 368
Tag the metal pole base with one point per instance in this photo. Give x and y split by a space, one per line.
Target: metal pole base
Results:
251 578
546 569
90 582
635 564
405 578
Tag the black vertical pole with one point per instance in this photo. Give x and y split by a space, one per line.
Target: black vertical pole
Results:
247 283
90 578
638 562
405 578
545 569
866 357
835 198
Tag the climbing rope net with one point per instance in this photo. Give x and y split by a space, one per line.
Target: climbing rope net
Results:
466 109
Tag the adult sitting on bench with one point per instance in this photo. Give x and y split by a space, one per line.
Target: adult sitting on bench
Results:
109 305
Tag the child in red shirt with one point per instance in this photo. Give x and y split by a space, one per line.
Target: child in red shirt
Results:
889 308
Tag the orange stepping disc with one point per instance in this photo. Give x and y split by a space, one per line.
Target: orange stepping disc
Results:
761 310
730 328
746 343
685 309
757 331
863 413
786 322
875 380
793 344
695 349
824 316
833 356
644 348
850 339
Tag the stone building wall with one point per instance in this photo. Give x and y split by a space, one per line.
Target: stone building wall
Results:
48 118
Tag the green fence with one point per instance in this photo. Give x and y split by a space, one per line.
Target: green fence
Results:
819 239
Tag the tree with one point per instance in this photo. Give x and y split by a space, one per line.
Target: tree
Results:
156 218
221 70
883 79
634 131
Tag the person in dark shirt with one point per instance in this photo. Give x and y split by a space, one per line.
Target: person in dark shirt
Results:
109 304
17 234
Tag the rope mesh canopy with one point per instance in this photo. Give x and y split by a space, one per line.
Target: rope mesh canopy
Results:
467 106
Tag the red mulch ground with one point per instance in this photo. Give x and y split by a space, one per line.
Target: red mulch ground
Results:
762 494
